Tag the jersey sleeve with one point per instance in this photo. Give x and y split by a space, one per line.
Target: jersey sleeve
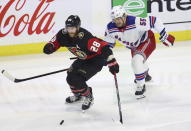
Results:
150 22
55 41
108 38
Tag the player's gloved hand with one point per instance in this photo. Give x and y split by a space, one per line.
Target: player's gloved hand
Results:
48 48
167 40
113 66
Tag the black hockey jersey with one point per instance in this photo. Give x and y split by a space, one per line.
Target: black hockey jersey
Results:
85 46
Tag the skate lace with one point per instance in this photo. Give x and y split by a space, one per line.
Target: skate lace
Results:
86 101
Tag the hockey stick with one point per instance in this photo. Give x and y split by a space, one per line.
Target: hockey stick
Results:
13 79
118 98
73 58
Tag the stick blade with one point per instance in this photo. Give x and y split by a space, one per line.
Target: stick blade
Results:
8 76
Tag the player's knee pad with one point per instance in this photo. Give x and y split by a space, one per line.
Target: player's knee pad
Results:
71 78
76 80
80 72
138 63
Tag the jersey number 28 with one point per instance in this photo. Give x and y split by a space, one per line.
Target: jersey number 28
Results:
95 46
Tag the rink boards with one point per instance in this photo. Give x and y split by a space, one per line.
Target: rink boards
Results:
25 26
34 48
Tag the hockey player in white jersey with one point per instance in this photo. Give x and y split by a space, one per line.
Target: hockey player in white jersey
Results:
135 33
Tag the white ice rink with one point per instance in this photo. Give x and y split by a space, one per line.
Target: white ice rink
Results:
39 105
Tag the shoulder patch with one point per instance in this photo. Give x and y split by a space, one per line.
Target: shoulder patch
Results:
131 20
112 28
81 35
111 25
86 32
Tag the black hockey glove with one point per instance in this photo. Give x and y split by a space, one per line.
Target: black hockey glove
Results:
113 66
48 48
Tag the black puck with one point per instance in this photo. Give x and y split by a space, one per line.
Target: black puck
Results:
62 121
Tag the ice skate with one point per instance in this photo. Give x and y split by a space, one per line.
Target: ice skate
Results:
74 98
87 101
140 92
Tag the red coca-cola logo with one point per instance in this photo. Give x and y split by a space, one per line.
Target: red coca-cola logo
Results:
44 19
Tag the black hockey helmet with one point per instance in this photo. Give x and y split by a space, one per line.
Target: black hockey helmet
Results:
73 21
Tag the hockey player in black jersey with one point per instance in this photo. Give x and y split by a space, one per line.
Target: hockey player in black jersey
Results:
92 54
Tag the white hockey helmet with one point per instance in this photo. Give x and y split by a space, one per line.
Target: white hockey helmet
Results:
117 11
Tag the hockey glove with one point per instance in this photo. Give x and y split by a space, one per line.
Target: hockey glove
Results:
167 40
48 48
113 66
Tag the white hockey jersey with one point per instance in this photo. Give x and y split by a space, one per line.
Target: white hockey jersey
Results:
135 31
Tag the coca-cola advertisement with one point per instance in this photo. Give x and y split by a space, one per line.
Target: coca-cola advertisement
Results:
33 21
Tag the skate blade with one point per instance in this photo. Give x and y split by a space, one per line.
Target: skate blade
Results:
76 102
138 97
83 111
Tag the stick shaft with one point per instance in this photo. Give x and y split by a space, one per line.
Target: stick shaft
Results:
118 98
38 76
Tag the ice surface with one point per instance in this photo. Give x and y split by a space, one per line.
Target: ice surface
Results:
39 105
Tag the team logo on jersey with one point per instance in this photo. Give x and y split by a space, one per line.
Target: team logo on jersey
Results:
81 35
80 54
